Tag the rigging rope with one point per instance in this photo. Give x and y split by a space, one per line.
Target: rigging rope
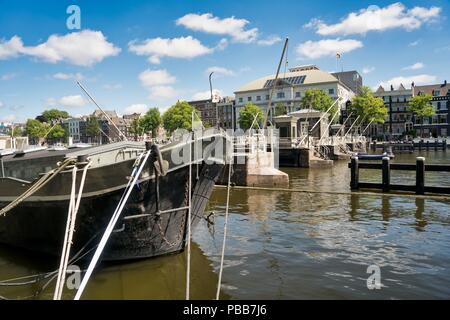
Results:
39 184
74 205
222 257
189 222
137 169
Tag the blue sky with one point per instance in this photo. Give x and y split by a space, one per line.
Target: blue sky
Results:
137 54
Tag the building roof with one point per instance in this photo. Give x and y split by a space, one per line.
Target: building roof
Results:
311 76
444 89
401 90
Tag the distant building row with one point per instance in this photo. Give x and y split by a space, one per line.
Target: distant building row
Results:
291 86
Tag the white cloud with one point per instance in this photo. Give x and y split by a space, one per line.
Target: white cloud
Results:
156 48
151 78
204 95
375 18
68 76
326 48
414 43
162 93
84 48
415 66
136 108
223 43
8 76
406 81
220 71
233 27
367 70
1 104
269 41
158 83
73 101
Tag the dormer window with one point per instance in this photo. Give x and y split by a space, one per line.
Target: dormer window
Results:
436 93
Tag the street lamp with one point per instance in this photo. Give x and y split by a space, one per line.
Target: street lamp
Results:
217 110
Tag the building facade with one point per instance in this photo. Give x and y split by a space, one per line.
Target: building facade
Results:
73 128
213 113
290 89
399 121
438 125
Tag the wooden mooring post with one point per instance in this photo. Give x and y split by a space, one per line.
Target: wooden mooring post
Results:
386 166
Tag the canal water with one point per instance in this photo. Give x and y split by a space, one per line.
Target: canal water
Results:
286 245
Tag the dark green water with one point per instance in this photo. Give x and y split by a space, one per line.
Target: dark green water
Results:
291 246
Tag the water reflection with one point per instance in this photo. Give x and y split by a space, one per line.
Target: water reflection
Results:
160 278
298 245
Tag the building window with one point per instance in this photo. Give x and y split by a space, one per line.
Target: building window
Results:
267 97
249 99
298 95
439 105
240 99
280 95
258 98
436 93
330 91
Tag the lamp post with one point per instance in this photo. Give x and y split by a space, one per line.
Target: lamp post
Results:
211 91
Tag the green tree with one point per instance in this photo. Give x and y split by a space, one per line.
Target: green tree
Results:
36 129
369 107
422 107
54 114
135 128
247 115
57 132
280 109
318 100
93 127
151 121
178 116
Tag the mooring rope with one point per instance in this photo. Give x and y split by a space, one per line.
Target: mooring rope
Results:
137 169
39 184
189 222
225 228
74 205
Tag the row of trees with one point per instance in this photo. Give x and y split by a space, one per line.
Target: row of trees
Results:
365 105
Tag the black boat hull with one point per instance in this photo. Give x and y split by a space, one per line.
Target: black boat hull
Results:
140 232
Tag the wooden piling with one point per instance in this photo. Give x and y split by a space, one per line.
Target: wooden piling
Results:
420 175
354 179
386 174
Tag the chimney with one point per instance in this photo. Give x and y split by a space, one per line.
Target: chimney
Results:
445 83
413 84
392 87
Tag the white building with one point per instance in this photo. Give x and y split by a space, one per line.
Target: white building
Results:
73 127
290 88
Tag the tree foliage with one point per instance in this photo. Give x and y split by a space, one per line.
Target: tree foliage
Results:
36 129
318 100
369 107
280 109
422 107
247 115
92 126
135 128
57 132
178 116
54 114
151 121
